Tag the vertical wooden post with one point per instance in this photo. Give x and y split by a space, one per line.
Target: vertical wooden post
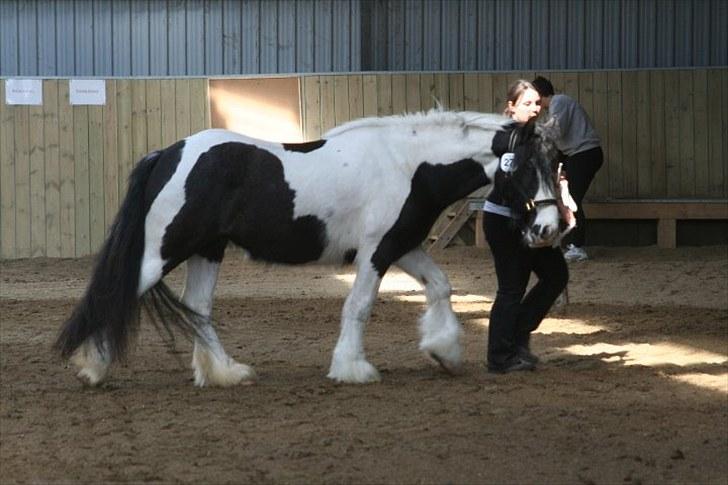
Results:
479 232
666 233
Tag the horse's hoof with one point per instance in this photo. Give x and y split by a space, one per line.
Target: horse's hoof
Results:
450 369
89 378
357 372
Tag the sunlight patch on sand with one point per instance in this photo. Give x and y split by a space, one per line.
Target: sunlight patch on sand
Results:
717 382
393 282
572 326
649 354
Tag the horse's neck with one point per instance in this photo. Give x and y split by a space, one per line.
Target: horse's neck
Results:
417 143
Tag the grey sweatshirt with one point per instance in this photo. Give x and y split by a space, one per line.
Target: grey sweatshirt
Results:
577 132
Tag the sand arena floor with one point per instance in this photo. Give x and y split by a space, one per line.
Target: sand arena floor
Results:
633 387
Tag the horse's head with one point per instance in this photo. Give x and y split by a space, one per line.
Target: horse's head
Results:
526 178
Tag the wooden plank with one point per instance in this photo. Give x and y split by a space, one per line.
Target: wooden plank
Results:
557 79
700 132
311 108
427 91
687 138
384 94
81 173
600 116
66 168
471 94
341 100
356 103
208 114
571 84
485 87
442 89
111 154
182 107
672 133
198 106
629 134
457 92
7 178
412 92
717 126
52 168
644 152
500 92
153 89
139 142
37 182
124 131
615 109
22 181
169 124
399 94
97 216
585 80
658 167
717 209
369 95
328 115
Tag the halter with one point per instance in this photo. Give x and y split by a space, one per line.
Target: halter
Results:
530 204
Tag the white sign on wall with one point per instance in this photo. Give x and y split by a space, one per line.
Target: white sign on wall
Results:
87 91
24 91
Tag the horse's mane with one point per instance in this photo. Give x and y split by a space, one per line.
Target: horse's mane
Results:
433 117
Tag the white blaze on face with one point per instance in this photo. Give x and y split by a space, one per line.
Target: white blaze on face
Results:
545 226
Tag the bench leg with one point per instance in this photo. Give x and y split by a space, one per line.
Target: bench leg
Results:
666 233
479 233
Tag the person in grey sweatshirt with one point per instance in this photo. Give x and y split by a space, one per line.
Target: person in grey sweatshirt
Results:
581 145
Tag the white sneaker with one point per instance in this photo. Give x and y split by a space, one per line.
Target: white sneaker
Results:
574 253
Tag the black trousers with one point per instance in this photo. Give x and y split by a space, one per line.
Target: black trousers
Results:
580 171
514 316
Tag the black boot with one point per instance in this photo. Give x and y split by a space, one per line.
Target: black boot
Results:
512 364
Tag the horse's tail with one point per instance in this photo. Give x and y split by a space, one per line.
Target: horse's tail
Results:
109 311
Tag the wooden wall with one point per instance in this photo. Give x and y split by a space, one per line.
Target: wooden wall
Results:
63 168
663 131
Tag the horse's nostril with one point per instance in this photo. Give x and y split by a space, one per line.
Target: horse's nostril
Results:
545 232
536 229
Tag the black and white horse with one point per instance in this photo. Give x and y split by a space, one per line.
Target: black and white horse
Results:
368 192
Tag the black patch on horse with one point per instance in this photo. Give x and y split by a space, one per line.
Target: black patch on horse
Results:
305 147
238 192
434 188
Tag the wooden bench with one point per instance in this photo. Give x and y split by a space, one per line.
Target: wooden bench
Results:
665 211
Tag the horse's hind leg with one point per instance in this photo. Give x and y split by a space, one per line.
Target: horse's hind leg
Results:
211 364
439 327
92 361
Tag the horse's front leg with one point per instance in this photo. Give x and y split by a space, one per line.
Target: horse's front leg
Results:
439 327
349 363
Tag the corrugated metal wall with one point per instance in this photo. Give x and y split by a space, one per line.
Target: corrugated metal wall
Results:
489 35
177 37
216 37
